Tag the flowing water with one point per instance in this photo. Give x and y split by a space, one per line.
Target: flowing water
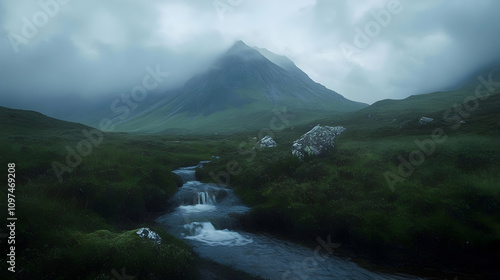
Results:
206 216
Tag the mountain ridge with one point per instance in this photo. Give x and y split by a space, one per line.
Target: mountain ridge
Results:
381 115
242 82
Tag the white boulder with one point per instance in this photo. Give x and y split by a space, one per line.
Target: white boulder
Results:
146 233
425 120
316 141
267 142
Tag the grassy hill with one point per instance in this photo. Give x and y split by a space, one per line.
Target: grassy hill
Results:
448 108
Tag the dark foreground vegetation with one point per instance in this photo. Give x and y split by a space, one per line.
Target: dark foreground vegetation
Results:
441 211
84 227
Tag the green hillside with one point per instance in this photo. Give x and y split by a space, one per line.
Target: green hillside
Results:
21 121
448 108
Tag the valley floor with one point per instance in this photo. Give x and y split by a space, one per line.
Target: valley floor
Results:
441 214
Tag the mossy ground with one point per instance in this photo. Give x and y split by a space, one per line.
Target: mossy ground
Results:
83 227
445 212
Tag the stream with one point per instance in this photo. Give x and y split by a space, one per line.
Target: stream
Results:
206 217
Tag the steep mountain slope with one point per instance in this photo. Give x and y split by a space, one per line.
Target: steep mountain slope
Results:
239 92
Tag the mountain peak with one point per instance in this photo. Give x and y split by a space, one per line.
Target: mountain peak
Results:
239 43
244 86
241 52
239 46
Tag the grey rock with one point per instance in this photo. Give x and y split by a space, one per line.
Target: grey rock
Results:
267 142
425 120
316 141
147 234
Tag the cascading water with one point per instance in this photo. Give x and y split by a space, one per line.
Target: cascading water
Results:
187 174
204 198
205 232
204 215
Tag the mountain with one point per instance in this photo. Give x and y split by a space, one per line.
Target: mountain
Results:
239 92
244 76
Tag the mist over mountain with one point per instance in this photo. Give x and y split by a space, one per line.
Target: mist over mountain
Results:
85 55
243 76
242 82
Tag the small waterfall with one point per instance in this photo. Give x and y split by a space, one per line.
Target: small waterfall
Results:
205 232
186 174
204 198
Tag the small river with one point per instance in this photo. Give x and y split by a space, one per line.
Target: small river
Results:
206 217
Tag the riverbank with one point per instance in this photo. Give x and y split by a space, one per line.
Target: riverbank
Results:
84 226
207 217
443 218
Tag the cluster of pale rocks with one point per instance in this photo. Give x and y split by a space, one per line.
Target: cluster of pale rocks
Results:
316 141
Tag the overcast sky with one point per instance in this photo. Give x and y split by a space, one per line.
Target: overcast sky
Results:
73 51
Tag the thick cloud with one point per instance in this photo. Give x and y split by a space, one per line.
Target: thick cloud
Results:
87 51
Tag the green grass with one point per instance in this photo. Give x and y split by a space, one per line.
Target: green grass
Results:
446 212
83 226
442 207
233 120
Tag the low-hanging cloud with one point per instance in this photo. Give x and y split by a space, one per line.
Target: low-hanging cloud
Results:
84 51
